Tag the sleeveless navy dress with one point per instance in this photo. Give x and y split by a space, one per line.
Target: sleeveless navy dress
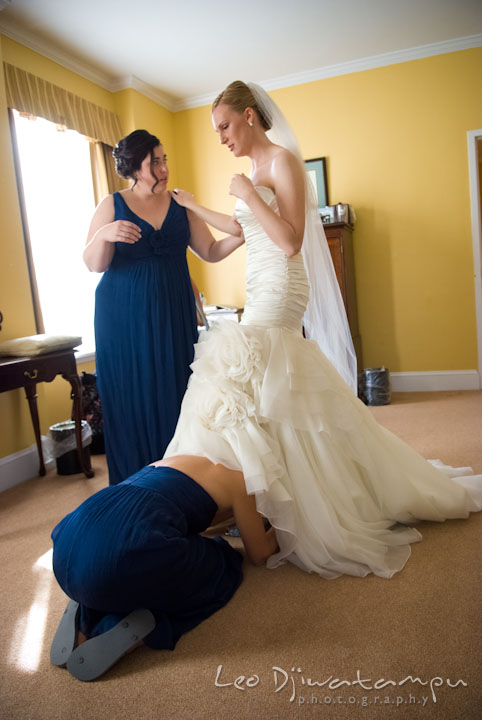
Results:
137 545
145 330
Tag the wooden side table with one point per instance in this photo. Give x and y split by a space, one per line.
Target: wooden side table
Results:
26 372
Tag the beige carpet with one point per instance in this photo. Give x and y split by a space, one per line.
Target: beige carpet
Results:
426 622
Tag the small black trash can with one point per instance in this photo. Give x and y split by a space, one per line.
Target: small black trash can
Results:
64 446
375 386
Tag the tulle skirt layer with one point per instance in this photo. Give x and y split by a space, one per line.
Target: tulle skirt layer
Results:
340 489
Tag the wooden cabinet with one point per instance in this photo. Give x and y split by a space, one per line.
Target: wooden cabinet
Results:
340 242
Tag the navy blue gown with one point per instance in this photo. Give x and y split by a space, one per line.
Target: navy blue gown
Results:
137 545
145 330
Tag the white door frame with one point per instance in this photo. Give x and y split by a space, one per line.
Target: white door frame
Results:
475 212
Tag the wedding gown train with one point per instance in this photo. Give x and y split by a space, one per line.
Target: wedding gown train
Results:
340 489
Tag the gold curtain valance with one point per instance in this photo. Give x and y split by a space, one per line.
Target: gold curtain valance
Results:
104 177
30 94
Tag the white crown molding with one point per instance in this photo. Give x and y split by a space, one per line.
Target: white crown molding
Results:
134 83
197 101
352 66
113 84
85 70
41 46
375 61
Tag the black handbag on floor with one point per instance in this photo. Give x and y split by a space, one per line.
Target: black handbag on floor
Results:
92 411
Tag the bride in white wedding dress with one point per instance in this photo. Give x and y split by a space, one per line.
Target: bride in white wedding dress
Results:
340 490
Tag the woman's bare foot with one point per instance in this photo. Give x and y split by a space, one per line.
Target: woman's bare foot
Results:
81 638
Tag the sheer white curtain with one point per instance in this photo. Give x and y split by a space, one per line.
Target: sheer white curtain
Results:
59 198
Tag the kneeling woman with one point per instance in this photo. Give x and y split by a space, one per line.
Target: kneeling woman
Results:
136 568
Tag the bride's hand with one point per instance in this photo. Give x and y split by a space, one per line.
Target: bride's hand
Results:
182 197
241 187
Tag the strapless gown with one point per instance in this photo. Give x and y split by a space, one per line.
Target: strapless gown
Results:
340 489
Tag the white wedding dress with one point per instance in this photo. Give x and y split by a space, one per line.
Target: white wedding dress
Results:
339 488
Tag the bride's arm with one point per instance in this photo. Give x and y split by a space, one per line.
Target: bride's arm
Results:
220 221
286 229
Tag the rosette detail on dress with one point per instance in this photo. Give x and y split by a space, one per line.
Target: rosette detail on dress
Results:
229 371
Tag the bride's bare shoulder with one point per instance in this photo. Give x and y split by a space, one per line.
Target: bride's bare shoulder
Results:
286 167
281 153
283 159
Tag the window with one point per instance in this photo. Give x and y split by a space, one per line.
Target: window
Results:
59 199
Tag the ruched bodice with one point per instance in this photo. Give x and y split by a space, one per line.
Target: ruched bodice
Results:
277 288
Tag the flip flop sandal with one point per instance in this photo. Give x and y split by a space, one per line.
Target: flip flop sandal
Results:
94 657
65 636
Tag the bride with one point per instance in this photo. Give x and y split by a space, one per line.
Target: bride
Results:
340 490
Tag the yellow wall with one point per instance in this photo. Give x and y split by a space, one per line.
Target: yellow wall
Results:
205 168
137 111
134 111
395 139
15 299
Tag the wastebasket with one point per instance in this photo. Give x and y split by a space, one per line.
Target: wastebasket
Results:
64 446
375 388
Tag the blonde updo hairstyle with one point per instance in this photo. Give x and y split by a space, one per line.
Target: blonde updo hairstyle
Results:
238 97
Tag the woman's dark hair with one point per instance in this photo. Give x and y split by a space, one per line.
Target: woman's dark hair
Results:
238 96
130 152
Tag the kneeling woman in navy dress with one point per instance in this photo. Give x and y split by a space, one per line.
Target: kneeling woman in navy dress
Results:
136 567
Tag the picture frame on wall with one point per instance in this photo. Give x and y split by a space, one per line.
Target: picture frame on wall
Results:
316 170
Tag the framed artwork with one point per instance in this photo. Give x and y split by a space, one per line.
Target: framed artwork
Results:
316 170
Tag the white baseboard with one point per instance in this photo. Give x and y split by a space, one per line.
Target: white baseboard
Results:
435 381
20 466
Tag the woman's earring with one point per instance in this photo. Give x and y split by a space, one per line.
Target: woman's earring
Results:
250 123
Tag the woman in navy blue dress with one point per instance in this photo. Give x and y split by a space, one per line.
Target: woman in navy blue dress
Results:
133 561
145 316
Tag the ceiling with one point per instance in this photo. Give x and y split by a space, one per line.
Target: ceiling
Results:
182 53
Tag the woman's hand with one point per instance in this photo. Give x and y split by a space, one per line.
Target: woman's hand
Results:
225 223
104 231
241 187
120 231
183 198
